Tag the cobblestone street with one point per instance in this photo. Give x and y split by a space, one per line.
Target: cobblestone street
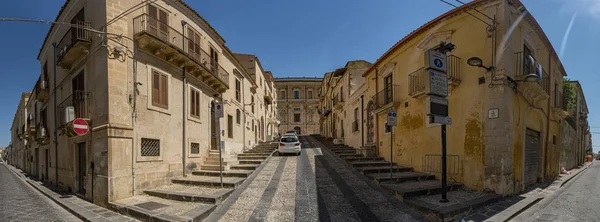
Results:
20 202
578 201
314 186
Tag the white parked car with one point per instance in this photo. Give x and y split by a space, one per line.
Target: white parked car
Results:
290 144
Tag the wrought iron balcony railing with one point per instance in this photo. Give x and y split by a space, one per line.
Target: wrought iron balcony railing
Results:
386 96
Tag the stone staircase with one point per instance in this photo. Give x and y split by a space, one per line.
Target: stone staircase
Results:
194 197
416 189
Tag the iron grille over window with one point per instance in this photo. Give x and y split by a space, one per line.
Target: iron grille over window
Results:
150 147
195 148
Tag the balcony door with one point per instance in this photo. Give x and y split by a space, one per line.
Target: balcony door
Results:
78 96
158 23
387 97
78 19
193 44
214 59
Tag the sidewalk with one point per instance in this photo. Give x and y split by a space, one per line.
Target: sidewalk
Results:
530 199
83 209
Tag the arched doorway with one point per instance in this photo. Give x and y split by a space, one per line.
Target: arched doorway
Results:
298 131
370 124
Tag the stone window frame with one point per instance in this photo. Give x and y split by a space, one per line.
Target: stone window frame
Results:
283 94
294 93
238 117
191 117
202 148
238 90
150 104
299 115
312 93
150 135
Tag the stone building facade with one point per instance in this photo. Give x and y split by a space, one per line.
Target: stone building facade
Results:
147 78
574 130
504 135
298 103
18 152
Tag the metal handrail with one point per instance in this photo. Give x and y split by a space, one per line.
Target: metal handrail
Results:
387 96
417 82
76 33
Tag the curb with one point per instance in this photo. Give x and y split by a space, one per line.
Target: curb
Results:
533 200
81 213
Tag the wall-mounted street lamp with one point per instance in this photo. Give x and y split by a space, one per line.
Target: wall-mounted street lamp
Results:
477 62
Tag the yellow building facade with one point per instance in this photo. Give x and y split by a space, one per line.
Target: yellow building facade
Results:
504 131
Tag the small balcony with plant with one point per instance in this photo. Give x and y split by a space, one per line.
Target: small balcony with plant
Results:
525 66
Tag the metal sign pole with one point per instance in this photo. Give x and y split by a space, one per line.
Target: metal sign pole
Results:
444 197
391 150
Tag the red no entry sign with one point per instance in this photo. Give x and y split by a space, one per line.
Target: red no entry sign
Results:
80 126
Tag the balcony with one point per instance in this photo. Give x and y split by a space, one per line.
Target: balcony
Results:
559 106
338 101
387 98
31 123
453 71
537 91
42 90
417 83
166 43
73 107
268 98
43 137
74 45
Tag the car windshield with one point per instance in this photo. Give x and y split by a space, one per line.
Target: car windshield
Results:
289 139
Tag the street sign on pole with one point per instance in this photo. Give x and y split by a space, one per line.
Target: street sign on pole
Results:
219 109
80 126
437 106
436 83
391 117
436 60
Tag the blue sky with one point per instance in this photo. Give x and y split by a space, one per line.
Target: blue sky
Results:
310 37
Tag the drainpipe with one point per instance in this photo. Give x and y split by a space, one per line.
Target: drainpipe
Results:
183 143
133 118
55 119
362 126
548 115
244 114
376 116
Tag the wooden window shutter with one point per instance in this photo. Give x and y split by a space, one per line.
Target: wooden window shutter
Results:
164 88
155 88
192 102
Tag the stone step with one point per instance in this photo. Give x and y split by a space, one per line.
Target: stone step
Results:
461 201
418 188
216 159
345 151
371 163
143 208
341 149
346 155
227 173
252 157
352 159
250 162
255 154
210 181
212 167
186 193
244 167
399 177
215 162
383 169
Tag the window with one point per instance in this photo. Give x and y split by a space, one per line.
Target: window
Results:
150 147
289 139
43 117
388 89
252 102
388 128
355 114
238 116
159 90
296 117
193 44
282 94
214 58
309 94
252 125
527 66
237 89
194 103
296 94
158 22
195 148
230 126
